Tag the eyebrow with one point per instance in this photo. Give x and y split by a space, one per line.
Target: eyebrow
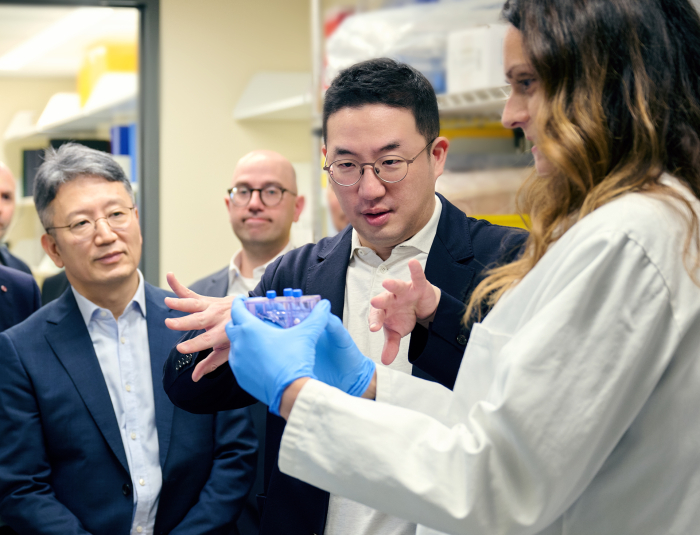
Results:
86 211
340 151
526 68
265 185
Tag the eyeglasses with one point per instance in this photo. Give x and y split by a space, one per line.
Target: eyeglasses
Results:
389 169
270 195
118 219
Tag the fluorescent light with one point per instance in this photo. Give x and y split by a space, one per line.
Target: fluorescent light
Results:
56 34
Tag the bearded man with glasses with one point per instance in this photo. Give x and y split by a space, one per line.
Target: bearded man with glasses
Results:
383 154
90 442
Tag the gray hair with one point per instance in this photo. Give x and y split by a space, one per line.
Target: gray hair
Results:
69 162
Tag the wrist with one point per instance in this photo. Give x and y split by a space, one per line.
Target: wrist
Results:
289 396
371 392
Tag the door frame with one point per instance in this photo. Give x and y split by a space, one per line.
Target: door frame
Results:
148 122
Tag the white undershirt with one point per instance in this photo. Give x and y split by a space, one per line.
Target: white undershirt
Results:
240 285
366 272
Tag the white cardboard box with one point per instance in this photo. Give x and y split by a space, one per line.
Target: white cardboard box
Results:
475 58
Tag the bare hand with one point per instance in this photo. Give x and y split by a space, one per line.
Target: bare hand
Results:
208 313
403 305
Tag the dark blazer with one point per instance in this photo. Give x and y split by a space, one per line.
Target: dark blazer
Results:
19 297
63 468
463 249
216 285
10 260
53 287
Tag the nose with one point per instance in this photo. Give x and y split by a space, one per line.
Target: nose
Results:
371 186
515 114
103 232
255 204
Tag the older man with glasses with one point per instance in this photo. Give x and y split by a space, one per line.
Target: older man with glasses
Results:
90 442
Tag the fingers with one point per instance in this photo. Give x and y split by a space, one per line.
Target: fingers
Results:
376 318
215 338
180 289
185 304
391 346
215 359
396 286
316 322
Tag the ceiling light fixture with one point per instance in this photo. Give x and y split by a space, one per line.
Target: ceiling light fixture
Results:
58 33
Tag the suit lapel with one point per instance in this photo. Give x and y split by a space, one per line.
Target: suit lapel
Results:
160 340
447 266
69 338
327 277
219 283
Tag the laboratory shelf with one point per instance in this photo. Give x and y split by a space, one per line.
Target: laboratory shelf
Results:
486 103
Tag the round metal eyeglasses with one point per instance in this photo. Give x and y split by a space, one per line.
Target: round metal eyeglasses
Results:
389 169
270 196
83 228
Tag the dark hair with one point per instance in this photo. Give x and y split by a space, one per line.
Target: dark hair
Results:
388 82
69 162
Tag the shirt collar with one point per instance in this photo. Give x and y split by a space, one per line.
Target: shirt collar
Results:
235 270
88 309
422 240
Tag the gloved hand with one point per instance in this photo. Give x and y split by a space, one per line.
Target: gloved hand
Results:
266 359
339 362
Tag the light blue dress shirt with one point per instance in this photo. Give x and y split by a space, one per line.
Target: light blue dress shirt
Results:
123 353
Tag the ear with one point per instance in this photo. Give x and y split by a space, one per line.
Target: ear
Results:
136 215
324 151
50 246
439 154
299 207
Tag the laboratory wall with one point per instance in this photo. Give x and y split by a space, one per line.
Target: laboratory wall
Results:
209 51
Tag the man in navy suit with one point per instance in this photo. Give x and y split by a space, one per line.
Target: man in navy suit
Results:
383 154
90 442
262 204
7 209
19 297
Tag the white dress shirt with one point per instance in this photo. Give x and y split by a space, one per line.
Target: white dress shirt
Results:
575 409
366 272
123 353
240 285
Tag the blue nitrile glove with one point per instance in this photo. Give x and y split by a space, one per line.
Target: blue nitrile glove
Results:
339 362
266 359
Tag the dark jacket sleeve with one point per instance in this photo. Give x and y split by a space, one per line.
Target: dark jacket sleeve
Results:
438 350
27 501
216 391
230 480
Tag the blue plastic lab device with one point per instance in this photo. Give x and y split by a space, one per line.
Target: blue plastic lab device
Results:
286 311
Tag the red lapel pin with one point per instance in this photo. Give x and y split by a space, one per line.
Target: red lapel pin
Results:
3 288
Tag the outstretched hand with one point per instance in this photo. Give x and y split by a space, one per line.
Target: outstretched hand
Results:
208 313
266 359
402 306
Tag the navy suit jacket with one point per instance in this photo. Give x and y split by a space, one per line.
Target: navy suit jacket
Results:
461 252
10 260
19 297
63 468
216 285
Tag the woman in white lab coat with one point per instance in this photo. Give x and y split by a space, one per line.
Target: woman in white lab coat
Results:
577 406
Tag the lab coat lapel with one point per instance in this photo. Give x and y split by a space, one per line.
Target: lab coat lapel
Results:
160 341
327 277
70 340
447 266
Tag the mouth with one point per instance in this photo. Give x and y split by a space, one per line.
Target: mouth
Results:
256 220
110 258
376 217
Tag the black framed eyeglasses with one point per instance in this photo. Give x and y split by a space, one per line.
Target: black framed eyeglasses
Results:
389 169
269 195
118 219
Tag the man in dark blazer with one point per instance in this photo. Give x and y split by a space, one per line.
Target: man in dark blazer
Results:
53 287
382 113
90 442
19 297
7 209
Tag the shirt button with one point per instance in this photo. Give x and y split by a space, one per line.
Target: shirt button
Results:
122 340
142 482
103 313
128 388
133 436
139 529
462 340
382 269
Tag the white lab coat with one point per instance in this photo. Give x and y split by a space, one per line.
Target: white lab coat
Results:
576 409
